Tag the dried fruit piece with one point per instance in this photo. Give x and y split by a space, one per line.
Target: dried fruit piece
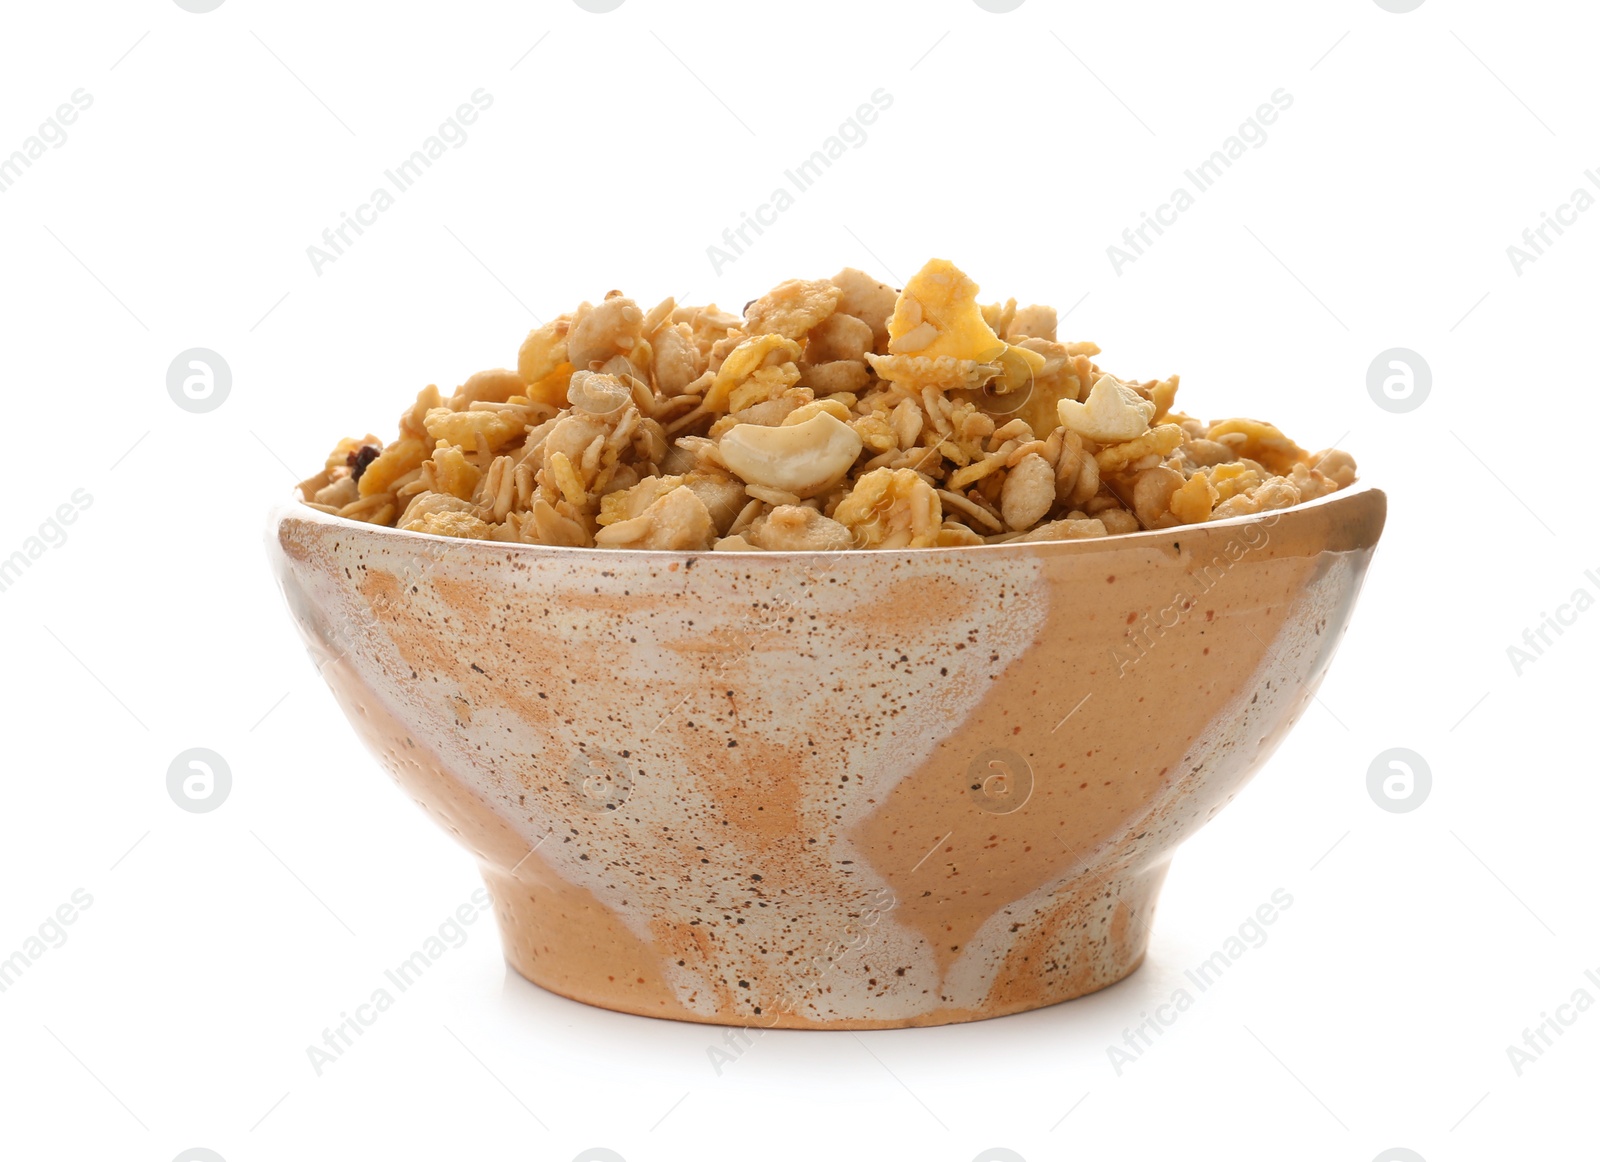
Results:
393 462
360 458
338 461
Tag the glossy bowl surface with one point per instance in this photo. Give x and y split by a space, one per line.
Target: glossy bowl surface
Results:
827 790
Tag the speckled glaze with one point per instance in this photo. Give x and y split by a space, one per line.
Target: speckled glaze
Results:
847 791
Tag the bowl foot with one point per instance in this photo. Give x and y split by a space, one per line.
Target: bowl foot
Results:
1077 941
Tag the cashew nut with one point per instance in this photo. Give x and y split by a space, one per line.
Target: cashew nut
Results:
1113 412
804 459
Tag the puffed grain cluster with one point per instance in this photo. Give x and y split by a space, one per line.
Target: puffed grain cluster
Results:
834 414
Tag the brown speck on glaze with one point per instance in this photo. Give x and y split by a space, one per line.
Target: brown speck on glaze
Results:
799 844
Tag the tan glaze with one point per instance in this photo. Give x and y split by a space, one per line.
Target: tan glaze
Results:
553 932
800 845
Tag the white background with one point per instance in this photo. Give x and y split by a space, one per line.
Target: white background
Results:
219 946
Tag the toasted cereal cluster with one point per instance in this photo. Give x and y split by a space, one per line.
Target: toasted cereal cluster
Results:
835 414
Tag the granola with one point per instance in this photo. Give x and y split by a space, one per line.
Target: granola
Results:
833 414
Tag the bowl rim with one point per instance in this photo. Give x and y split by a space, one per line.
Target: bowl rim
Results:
294 507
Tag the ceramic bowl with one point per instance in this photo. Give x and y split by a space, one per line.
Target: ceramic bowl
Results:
827 790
